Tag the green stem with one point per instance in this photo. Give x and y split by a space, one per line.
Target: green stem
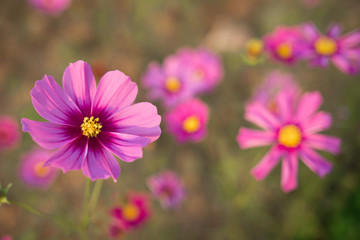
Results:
95 195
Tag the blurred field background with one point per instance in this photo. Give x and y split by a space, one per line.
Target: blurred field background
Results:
223 200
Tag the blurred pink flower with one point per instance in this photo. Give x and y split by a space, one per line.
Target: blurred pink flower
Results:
9 132
116 230
204 69
6 237
168 188
90 123
274 82
311 3
33 173
285 44
133 214
51 7
293 134
343 51
187 122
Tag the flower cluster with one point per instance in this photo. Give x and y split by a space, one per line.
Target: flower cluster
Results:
177 82
290 44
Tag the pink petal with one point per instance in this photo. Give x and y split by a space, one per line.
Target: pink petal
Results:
99 162
308 105
334 31
53 104
262 169
285 101
344 64
310 31
50 135
79 83
323 142
248 138
351 39
140 119
315 162
289 172
115 92
319 122
259 115
70 156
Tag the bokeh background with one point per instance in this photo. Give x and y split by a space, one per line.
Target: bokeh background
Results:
223 200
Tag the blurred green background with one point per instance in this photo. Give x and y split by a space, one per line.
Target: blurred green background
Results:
224 201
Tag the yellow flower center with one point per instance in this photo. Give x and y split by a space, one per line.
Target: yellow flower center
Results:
325 46
254 47
172 84
40 171
130 212
289 136
191 124
284 50
91 127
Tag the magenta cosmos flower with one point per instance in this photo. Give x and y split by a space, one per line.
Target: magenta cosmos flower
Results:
51 7
343 51
188 121
168 188
285 44
9 132
33 173
133 214
88 124
168 83
204 69
293 134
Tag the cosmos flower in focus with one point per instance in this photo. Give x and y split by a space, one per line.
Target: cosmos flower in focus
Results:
285 44
51 7
89 123
168 188
131 215
275 82
343 51
204 69
188 121
32 172
9 132
292 134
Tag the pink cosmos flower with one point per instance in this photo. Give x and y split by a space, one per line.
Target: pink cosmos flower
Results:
285 44
274 82
343 51
9 132
133 214
51 7
204 69
188 121
167 187
33 173
168 83
293 134
88 124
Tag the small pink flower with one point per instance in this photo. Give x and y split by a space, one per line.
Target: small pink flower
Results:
188 121
343 51
292 133
89 123
274 82
51 7
32 170
285 44
133 214
167 187
204 69
9 132
168 83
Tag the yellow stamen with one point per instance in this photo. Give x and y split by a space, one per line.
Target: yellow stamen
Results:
172 84
91 127
289 136
191 124
130 212
254 47
40 170
325 46
284 50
